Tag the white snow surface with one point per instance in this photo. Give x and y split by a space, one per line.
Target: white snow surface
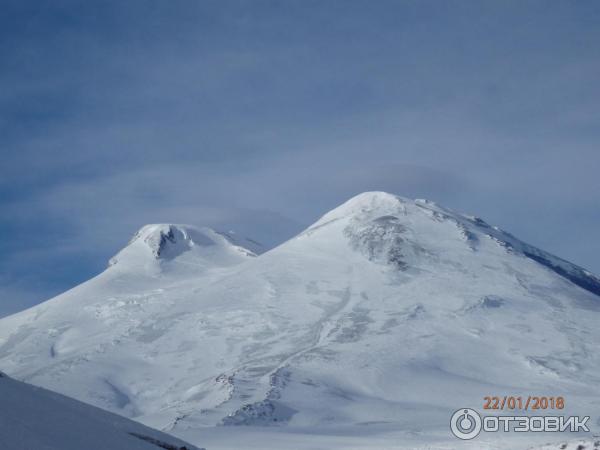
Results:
32 418
385 316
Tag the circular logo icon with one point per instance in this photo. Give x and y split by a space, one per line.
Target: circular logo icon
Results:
465 423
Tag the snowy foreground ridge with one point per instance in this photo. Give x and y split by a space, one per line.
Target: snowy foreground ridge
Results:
367 330
33 418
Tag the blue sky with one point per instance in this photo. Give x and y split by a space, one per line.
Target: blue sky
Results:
259 116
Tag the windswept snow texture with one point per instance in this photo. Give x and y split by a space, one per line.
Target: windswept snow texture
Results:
32 418
199 248
386 312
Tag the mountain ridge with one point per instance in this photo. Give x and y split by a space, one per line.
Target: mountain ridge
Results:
382 288
61 423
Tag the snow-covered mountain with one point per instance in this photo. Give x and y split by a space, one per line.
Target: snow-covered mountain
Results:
194 249
385 312
32 418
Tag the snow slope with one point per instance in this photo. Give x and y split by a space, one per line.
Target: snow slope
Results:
386 313
32 418
580 444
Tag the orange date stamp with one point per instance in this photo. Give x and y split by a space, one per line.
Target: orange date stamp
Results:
529 403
